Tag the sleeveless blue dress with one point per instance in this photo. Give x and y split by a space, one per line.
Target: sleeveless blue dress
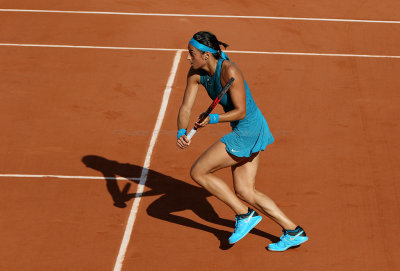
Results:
249 135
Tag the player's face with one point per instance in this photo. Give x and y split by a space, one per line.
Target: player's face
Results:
195 57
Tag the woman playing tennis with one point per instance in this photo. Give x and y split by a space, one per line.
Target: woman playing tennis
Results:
239 149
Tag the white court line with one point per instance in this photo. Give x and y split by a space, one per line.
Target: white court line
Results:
88 47
145 171
174 50
68 177
312 54
201 16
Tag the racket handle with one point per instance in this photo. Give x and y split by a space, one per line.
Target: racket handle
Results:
191 133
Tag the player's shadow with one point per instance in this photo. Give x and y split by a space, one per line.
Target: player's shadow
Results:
176 196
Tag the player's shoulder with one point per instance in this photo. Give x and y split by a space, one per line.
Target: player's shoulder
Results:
229 69
193 76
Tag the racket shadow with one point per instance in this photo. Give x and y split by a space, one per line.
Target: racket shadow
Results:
176 195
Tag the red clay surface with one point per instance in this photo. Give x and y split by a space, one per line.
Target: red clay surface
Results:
351 9
333 169
145 31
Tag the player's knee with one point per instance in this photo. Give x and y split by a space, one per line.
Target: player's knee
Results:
196 173
245 193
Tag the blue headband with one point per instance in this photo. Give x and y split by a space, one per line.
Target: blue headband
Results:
205 48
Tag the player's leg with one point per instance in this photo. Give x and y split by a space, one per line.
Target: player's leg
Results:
214 158
244 177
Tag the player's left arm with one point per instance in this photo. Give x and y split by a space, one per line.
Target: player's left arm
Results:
237 92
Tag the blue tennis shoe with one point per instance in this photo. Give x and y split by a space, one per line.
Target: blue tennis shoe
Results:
290 238
244 224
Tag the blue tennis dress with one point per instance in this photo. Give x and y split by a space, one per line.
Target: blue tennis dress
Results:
249 135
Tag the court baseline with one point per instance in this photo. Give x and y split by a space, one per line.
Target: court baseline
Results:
199 16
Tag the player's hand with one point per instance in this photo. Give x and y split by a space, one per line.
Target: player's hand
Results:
183 142
203 123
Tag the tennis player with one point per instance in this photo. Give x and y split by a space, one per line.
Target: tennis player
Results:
239 149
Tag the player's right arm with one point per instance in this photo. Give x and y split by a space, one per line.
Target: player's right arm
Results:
192 86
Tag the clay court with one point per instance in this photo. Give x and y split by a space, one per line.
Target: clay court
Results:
90 174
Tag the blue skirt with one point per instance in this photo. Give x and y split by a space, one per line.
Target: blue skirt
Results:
248 136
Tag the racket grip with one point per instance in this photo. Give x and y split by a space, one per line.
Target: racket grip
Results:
191 133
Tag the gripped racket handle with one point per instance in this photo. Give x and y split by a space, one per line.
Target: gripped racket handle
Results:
191 133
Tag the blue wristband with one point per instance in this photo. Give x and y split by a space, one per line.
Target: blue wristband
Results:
181 132
214 118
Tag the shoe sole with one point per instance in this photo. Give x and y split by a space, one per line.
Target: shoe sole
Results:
294 246
250 228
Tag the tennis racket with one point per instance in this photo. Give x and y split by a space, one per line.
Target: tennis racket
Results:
211 107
